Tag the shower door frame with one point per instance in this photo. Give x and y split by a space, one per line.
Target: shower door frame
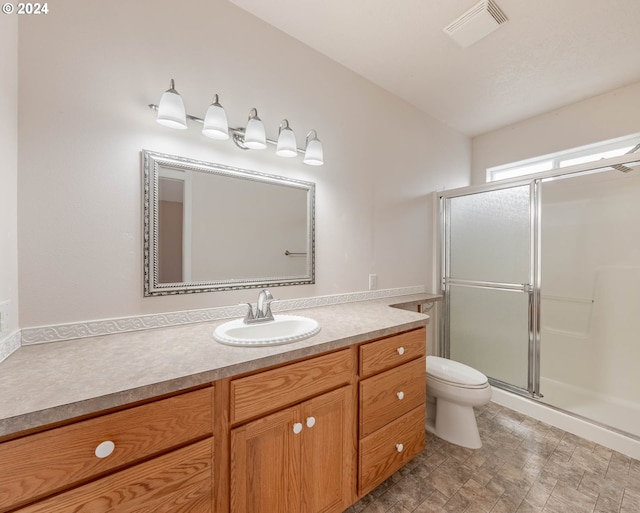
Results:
533 288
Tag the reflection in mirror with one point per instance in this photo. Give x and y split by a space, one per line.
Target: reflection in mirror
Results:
211 227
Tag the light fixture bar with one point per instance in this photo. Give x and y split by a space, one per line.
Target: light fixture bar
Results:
238 133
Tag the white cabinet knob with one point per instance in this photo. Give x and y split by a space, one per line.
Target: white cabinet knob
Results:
297 428
400 350
311 421
400 395
399 447
104 449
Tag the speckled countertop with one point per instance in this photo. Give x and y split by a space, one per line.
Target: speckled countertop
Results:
47 383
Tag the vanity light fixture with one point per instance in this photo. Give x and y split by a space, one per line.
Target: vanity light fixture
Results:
254 135
171 113
313 150
215 123
287 146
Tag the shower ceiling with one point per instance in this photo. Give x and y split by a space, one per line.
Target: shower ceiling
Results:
549 54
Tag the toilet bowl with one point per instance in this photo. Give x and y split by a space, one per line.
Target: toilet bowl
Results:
453 389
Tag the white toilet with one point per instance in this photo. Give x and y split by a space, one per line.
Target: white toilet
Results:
453 389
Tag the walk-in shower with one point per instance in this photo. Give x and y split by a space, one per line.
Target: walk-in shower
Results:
541 285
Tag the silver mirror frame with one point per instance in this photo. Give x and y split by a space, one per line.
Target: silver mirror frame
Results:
151 162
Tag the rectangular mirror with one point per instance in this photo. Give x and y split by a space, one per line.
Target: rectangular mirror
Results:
209 227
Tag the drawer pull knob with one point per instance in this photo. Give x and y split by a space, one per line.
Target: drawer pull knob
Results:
311 421
297 428
400 395
400 350
105 449
399 447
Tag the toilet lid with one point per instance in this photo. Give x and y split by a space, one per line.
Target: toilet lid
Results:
454 372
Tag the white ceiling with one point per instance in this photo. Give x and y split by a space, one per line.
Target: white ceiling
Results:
549 54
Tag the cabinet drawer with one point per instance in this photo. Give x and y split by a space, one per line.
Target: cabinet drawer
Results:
380 453
46 462
270 390
389 395
389 352
177 482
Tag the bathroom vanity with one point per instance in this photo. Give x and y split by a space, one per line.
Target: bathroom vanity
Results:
307 428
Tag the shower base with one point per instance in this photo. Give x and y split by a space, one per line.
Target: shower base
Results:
596 432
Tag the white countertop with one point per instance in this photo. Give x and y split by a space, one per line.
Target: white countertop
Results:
46 383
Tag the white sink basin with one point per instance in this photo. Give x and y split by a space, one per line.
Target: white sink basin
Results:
282 330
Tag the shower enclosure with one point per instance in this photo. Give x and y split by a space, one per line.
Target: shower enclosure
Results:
541 285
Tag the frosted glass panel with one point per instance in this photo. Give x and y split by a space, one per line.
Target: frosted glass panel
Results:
489 238
489 330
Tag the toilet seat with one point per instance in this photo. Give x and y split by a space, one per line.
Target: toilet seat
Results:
454 373
433 380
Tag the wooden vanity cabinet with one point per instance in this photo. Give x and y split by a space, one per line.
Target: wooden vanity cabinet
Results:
310 436
299 459
316 435
153 457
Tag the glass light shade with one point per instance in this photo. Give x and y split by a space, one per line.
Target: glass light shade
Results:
254 135
215 122
313 153
287 146
171 111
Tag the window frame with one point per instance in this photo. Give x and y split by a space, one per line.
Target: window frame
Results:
574 156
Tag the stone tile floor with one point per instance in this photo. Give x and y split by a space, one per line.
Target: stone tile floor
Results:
524 466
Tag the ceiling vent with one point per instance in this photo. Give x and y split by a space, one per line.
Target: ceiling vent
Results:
478 22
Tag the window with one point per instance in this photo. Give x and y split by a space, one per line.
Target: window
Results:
571 157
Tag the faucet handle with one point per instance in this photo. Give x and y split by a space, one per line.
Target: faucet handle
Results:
249 315
268 314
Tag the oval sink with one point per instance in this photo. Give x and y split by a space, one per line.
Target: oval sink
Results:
282 330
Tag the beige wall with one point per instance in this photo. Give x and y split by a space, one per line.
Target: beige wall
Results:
87 73
9 166
607 116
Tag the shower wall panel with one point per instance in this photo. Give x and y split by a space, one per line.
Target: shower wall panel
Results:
591 297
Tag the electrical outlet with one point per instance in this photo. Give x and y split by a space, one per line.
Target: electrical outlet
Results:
4 316
373 281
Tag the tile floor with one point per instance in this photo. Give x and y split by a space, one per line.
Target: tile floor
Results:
524 466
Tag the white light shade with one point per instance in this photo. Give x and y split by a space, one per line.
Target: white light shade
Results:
287 146
171 111
313 152
254 135
215 122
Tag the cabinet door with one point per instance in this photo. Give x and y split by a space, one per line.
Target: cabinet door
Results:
265 457
328 452
299 460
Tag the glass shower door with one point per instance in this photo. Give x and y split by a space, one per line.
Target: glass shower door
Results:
488 276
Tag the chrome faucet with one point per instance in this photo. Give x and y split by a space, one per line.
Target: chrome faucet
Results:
263 309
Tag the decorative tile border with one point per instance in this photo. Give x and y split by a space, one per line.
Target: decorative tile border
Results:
70 331
9 344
